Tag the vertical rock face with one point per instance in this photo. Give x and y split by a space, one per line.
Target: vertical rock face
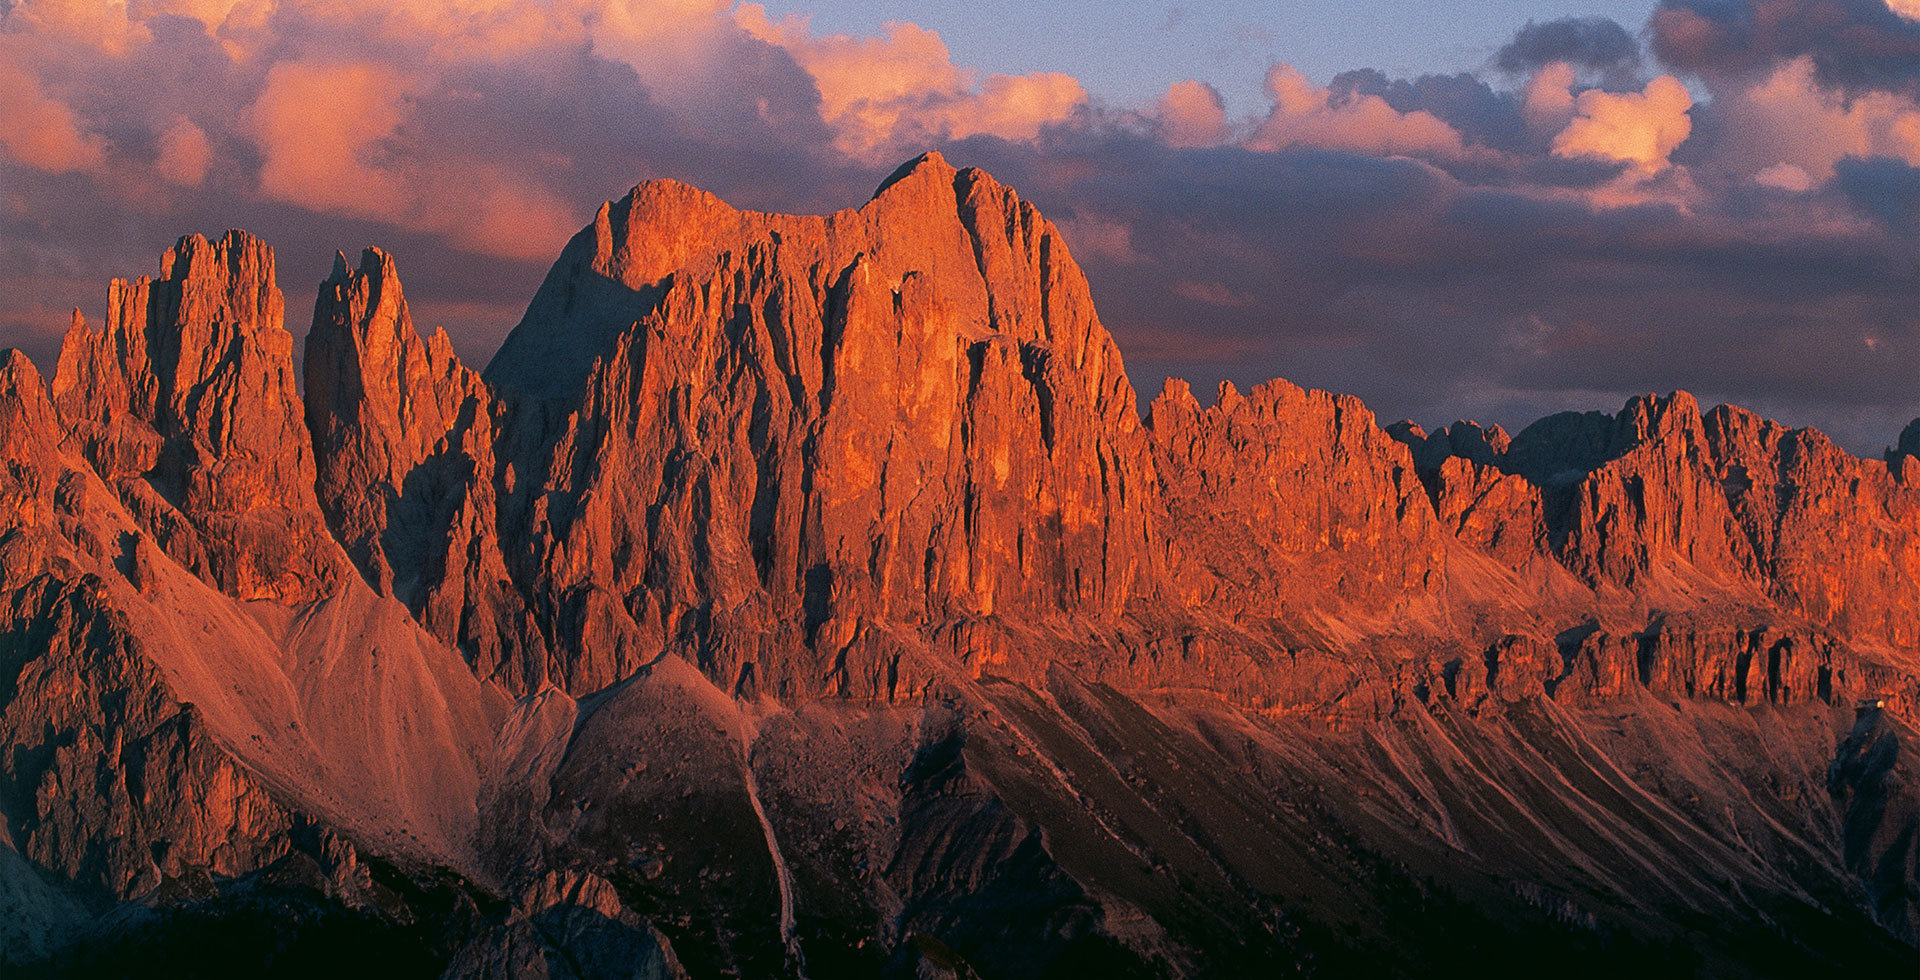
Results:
1501 514
839 454
186 405
403 435
1297 497
194 676
805 432
108 780
1655 505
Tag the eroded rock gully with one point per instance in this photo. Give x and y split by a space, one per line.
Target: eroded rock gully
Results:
810 595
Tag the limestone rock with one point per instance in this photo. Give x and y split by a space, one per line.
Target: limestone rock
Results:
808 595
404 436
186 405
804 428
1291 499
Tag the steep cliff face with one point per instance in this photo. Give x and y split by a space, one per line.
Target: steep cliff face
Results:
805 438
404 438
1649 513
198 688
807 596
1835 537
1285 501
110 781
186 405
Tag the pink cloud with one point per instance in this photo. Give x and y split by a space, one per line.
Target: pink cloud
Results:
1790 118
1786 177
883 95
40 131
1192 114
319 126
330 135
1547 100
1641 128
1307 115
185 154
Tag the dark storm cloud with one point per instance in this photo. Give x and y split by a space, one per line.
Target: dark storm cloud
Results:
1596 44
1854 44
1886 189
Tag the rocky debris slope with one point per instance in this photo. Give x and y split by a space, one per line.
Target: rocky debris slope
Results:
808 596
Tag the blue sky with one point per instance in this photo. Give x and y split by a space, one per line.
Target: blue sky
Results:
1130 52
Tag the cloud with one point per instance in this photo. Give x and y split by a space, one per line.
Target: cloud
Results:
1887 190
1596 44
884 95
1855 45
1305 115
1482 116
1786 177
319 125
1211 293
1548 105
1092 235
40 131
330 138
1640 128
1438 295
185 155
1554 237
1192 114
473 136
1788 117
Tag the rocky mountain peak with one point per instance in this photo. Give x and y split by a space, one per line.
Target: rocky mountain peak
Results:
894 394
806 593
928 166
186 402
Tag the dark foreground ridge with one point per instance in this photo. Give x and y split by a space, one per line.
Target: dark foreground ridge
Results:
809 596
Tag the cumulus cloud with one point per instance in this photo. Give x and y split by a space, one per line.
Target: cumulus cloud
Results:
184 154
1306 115
886 94
1483 116
1192 114
1392 279
1786 177
1790 118
40 131
1856 45
1548 105
1641 128
318 126
1557 233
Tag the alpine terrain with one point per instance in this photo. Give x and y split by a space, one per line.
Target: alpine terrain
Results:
811 597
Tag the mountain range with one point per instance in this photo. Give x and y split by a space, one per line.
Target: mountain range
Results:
812 596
